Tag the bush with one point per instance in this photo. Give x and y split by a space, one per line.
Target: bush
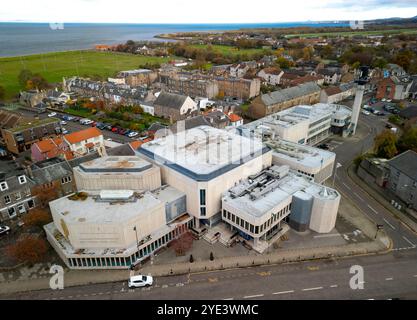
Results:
29 249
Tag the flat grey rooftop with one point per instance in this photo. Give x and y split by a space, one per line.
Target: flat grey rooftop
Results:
116 164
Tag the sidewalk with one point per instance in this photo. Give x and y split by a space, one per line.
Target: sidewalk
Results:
381 199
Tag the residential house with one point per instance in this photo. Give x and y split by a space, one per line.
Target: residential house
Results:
53 178
331 76
138 77
318 79
335 94
31 98
235 120
174 106
190 85
271 75
15 191
85 141
395 70
21 137
217 119
394 88
266 104
50 148
402 179
238 70
239 88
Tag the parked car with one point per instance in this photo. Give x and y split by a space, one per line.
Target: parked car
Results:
4 230
395 111
52 114
76 119
132 134
324 146
86 121
63 122
140 281
114 129
122 131
366 112
65 131
380 113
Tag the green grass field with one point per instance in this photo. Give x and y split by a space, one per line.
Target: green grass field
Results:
353 33
228 50
54 66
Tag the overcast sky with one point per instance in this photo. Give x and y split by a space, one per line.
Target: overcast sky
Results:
202 11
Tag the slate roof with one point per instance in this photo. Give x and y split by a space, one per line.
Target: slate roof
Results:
50 170
191 123
290 93
170 100
406 162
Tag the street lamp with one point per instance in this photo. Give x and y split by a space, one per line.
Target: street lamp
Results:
338 165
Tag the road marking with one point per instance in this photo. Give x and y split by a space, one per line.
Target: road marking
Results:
389 224
372 209
358 196
264 274
346 186
313 268
179 285
311 289
389 279
253 296
409 241
284 292
333 286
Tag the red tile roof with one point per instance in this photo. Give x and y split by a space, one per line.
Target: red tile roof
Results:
82 135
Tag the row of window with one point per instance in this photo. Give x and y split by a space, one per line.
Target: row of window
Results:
305 173
256 229
127 261
203 202
4 186
12 211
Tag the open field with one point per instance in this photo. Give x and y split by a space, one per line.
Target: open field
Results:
53 66
353 33
228 50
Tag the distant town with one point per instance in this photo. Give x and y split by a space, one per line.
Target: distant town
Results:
217 151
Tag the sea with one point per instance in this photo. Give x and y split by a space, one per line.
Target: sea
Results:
30 38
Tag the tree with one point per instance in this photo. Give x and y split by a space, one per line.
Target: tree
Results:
24 76
308 53
2 93
385 144
29 249
37 217
182 244
284 63
408 141
45 195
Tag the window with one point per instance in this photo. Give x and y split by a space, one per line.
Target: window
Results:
21 208
7 199
31 204
66 180
257 229
3 186
12 212
17 196
202 197
203 211
22 179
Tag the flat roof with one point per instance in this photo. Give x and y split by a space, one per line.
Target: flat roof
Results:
298 114
274 191
93 210
116 164
303 154
203 152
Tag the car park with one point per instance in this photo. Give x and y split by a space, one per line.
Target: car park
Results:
4 230
140 281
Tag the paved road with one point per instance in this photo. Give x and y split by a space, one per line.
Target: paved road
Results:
403 238
328 279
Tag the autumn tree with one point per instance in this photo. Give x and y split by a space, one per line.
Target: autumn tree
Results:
385 144
408 141
182 244
24 76
45 194
29 249
37 218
